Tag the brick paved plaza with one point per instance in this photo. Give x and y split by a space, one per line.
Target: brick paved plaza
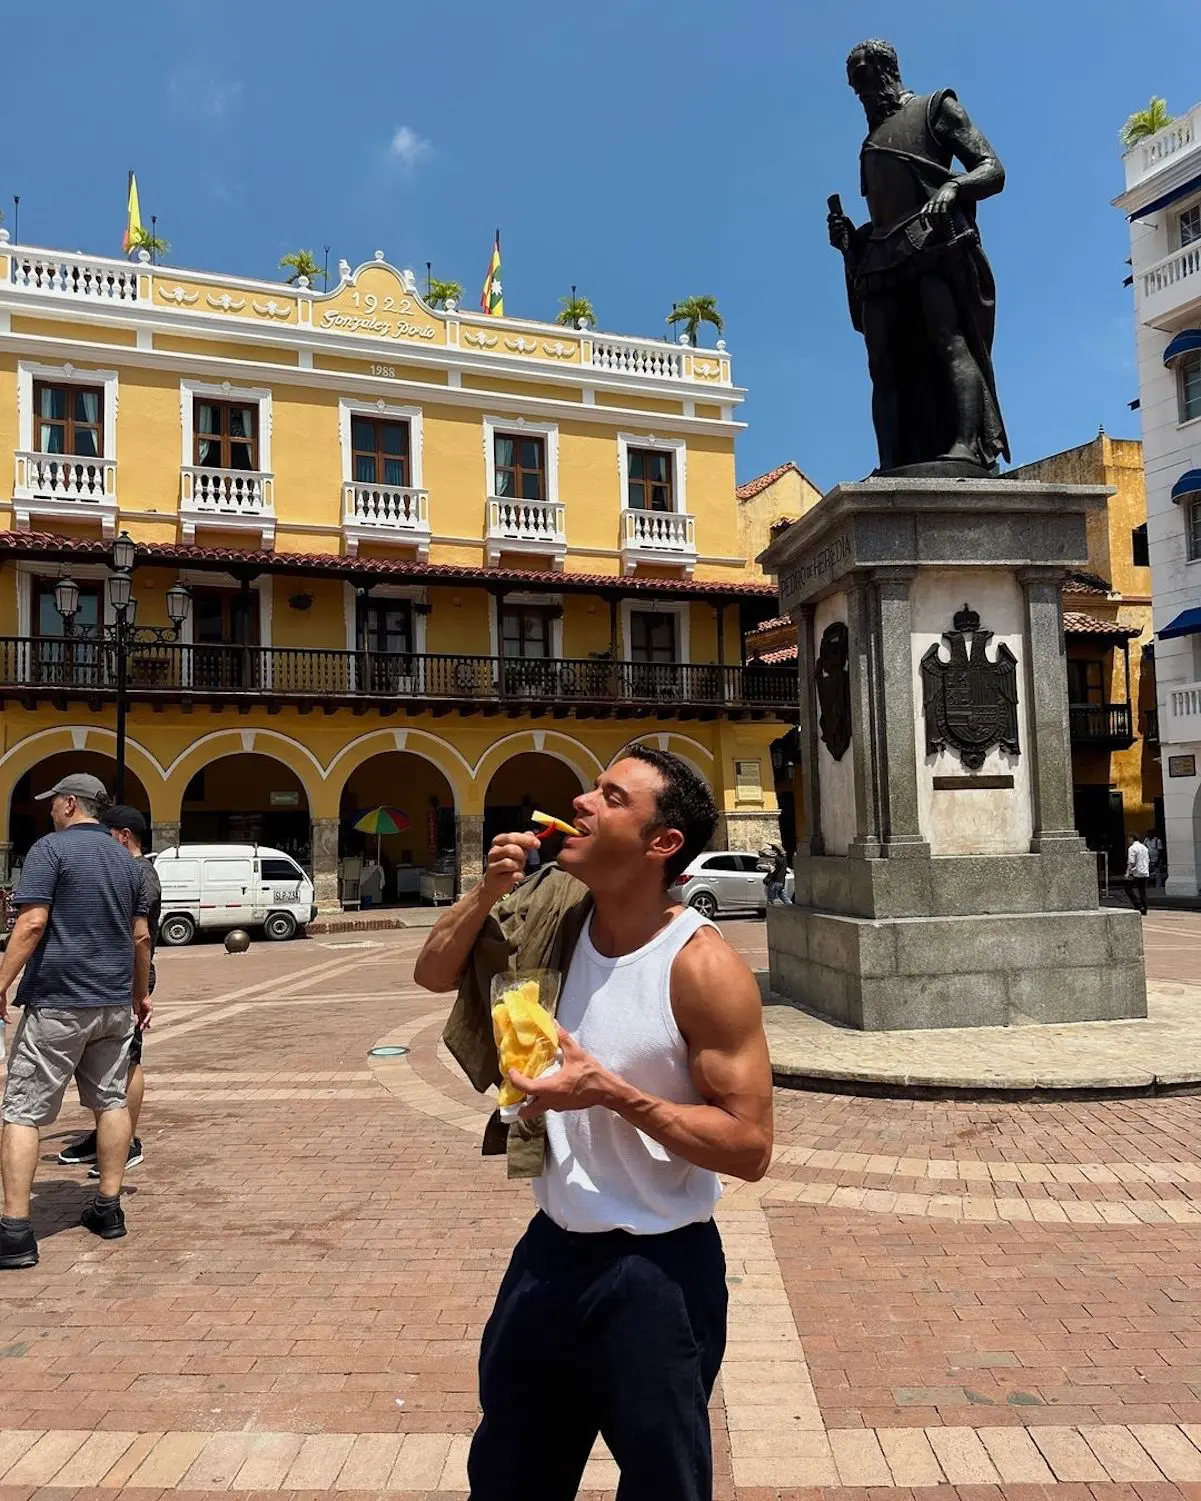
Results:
925 1294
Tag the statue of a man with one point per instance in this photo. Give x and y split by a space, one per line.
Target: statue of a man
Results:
920 288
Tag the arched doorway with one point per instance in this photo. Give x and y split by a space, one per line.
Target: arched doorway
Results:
247 798
29 820
400 779
525 782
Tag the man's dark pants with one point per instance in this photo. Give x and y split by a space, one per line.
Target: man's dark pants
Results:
1136 890
611 1333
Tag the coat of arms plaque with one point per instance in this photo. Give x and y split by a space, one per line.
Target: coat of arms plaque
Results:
970 703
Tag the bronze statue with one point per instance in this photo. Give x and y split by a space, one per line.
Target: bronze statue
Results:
920 288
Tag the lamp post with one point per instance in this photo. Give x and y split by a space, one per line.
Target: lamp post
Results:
125 631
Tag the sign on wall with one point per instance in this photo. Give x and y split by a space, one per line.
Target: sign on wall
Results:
1182 766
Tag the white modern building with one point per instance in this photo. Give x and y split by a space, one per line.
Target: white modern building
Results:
1162 200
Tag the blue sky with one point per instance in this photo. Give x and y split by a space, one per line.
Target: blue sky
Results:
642 151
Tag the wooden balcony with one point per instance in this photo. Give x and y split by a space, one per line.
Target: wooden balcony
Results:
1104 726
60 669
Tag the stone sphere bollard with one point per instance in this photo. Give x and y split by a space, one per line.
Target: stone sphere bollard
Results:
237 941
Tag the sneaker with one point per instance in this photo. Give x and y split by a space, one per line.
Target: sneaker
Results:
18 1248
79 1152
107 1221
135 1156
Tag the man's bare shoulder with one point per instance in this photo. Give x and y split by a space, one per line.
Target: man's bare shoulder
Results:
712 986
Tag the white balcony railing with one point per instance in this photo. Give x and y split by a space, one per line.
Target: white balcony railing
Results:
227 497
389 507
526 525
658 531
1167 274
632 357
1184 712
74 276
399 513
1151 155
46 476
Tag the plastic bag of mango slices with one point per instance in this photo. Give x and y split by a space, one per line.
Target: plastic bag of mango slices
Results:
525 1032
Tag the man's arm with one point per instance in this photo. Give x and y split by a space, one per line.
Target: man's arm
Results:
717 1006
143 1007
26 935
445 953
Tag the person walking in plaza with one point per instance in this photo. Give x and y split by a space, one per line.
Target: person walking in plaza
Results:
774 862
1154 857
611 1317
1138 868
128 828
83 939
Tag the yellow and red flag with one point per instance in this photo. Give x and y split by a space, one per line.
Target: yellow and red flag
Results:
492 299
133 218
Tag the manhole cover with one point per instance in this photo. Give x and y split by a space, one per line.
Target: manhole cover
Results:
388 1052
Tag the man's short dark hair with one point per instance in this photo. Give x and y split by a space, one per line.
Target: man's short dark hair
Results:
684 801
127 818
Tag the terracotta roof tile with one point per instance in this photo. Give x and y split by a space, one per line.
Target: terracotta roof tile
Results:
43 545
761 481
1076 623
1086 583
781 654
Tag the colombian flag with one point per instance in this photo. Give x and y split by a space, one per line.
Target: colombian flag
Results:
133 221
492 298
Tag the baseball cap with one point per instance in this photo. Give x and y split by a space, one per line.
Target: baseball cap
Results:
125 817
78 784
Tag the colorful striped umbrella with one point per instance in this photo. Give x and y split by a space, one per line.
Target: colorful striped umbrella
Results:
380 821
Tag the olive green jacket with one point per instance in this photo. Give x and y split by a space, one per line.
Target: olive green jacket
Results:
535 927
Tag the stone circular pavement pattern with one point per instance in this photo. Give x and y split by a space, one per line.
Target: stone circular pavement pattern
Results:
926 1294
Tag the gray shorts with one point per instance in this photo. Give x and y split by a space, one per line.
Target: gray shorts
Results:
89 1044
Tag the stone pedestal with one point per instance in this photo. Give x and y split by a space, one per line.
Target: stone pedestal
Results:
942 883
325 865
164 835
469 851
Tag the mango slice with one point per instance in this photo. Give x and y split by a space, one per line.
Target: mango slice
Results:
526 1037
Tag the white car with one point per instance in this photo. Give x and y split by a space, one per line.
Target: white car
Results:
725 881
225 886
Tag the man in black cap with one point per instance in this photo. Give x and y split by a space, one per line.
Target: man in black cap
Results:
128 828
83 939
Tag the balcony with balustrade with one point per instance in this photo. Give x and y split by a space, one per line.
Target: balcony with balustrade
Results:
535 527
657 538
227 500
83 667
1101 726
60 487
385 513
1168 150
1171 289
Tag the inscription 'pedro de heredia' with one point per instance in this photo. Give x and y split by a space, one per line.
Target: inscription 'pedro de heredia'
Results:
825 562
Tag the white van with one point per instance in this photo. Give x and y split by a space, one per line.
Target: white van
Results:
224 886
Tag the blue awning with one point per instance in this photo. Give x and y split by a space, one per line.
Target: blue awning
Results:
1162 202
1188 485
1187 623
1184 343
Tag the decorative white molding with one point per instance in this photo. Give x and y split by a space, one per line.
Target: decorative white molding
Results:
526 597
560 351
681 609
272 309
678 447
225 302
523 427
225 391
178 296
522 345
481 340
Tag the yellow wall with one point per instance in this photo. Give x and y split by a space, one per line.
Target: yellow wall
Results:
788 497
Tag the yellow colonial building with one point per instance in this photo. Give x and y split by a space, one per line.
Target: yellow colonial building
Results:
434 560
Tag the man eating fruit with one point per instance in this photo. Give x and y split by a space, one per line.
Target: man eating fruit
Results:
611 1318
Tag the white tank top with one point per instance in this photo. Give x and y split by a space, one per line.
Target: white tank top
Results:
602 1173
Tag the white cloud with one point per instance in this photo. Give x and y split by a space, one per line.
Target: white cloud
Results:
408 147
201 93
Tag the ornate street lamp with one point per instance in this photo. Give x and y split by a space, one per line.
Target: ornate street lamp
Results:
124 553
179 604
66 599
